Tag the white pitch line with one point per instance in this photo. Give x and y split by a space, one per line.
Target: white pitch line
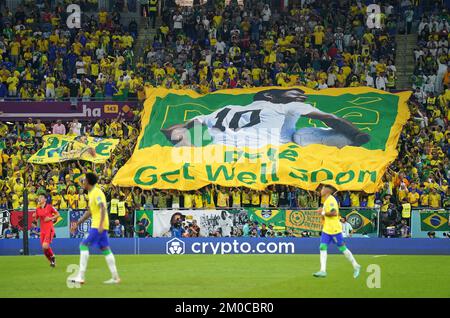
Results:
379 256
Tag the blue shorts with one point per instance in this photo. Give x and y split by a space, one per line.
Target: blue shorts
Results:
96 239
327 239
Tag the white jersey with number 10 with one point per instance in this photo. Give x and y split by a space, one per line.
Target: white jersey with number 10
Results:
256 125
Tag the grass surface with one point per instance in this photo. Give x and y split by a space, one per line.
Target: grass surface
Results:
227 276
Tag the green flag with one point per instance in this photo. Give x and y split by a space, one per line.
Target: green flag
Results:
146 217
268 217
62 221
362 221
434 221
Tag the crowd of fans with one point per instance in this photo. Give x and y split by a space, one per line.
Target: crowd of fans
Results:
43 58
318 44
325 44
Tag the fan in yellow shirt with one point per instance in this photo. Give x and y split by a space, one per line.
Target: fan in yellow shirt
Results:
223 198
102 16
318 37
12 82
188 200
434 199
236 197
255 198
355 199
265 199
82 201
413 197
198 200
16 200
32 198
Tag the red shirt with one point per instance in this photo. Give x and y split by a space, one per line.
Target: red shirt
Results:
42 213
332 52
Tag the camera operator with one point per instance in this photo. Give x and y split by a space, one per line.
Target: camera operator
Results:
187 231
389 220
404 230
194 229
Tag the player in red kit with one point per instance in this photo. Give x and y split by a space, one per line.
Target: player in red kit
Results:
47 215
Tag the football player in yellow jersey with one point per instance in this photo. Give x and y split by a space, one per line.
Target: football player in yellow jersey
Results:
98 234
332 232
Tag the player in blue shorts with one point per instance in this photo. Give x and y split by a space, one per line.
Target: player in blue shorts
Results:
332 232
98 234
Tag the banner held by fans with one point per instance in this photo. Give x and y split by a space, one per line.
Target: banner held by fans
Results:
59 148
261 136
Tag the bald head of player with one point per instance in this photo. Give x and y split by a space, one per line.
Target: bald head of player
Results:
90 181
281 96
327 190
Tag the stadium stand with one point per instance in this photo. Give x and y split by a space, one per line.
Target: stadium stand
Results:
317 44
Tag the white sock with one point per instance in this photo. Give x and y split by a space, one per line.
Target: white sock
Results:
111 261
84 257
323 261
348 255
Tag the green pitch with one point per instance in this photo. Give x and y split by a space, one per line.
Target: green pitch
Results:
228 276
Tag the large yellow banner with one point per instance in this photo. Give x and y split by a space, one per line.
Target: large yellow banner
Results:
262 136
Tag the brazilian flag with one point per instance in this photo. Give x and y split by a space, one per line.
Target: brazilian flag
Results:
434 221
63 219
269 217
146 217
362 221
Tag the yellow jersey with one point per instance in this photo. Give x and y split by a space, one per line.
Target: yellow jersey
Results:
198 200
434 200
255 198
32 197
265 198
82 202
222 199
413 198
96 198
331 224
188 200
245 198
236 195
354 198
